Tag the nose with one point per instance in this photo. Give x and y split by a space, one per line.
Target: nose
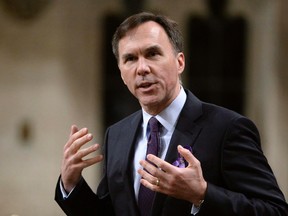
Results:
142 67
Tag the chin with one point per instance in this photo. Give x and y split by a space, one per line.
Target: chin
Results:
150 102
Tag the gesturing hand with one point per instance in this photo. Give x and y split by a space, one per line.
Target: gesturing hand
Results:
182 183
73 162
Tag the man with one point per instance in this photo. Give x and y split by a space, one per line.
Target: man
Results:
225 171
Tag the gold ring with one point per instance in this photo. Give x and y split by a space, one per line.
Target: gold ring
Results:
157 182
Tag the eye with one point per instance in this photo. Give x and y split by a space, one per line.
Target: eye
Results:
152 53
129 58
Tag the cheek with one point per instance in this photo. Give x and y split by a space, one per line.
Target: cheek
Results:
170 77
123 74
123 79
127 81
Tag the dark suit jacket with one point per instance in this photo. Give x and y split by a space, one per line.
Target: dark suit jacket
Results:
240 181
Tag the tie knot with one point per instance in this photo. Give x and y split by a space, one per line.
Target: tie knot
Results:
153 124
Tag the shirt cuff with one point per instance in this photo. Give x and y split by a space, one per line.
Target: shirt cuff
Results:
64 193
195 210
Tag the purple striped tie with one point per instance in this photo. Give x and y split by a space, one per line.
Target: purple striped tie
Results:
146 196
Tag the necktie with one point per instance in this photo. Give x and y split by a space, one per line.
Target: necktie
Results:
146 196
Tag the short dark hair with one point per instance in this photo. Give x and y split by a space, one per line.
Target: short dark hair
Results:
170 27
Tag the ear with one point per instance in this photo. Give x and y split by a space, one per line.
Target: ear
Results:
180 62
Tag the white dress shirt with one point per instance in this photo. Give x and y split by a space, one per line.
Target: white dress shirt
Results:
168 119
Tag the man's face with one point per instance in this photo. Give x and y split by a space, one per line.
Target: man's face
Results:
149 66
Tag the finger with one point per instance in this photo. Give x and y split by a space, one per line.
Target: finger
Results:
161 164
188 156
75 136
86 151
152 186
145 174
147 179
148 167
91 161
77 144
73 130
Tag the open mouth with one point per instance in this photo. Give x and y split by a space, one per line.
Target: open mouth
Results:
145 85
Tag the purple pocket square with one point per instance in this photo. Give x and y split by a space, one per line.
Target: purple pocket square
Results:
181 162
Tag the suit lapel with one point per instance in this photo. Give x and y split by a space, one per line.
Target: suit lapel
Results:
129 138
186 130
186 133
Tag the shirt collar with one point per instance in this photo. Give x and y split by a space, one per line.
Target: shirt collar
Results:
169 116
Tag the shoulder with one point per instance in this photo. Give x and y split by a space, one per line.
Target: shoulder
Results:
212 114
207 110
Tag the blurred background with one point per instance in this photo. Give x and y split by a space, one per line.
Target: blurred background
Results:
57 69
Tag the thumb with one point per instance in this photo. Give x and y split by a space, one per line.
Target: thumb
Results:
187 155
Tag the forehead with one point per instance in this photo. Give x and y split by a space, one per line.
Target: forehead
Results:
147 34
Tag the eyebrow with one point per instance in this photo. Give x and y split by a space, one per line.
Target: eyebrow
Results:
126 56
149 49
153 48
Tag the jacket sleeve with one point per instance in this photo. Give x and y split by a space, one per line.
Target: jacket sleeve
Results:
83 201
249 186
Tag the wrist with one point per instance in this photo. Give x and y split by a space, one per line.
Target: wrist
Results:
69 186
202 192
